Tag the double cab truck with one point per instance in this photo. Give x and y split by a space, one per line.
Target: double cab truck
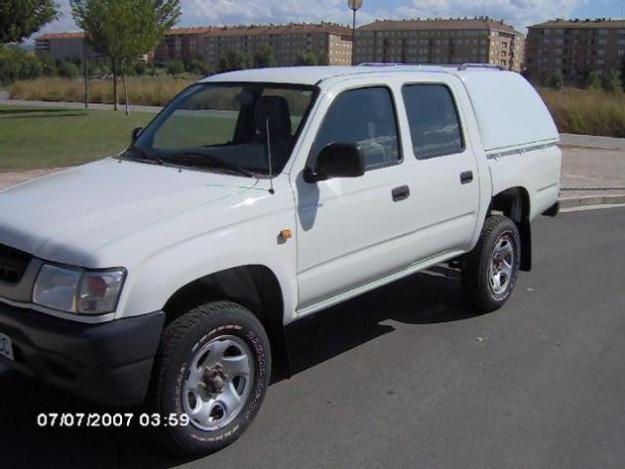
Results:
167 274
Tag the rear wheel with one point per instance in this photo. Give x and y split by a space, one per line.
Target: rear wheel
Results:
213 367
490 271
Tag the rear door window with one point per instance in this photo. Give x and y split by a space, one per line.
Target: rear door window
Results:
434 121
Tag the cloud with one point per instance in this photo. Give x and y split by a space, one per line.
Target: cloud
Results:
520 13
264 11
65 23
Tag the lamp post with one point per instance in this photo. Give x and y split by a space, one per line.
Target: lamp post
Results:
354 5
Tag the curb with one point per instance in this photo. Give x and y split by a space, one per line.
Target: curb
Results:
591 200
592 142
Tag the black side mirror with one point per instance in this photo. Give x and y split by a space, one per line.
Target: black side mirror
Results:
337 160
135 134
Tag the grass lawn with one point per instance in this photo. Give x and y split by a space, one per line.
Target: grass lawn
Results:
33 138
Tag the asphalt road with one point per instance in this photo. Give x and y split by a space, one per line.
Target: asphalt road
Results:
408 377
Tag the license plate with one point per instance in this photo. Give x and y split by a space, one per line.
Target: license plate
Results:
6 347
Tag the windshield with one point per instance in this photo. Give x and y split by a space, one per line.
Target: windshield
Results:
234 127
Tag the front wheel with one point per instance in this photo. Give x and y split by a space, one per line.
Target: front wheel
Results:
213 366
490 271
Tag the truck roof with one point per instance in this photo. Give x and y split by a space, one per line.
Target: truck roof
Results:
314 75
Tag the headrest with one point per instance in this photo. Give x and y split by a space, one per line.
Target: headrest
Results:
276 110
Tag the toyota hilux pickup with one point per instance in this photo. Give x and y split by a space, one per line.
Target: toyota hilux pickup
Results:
166 274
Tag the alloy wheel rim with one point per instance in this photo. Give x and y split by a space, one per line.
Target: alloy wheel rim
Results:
501 265
218 383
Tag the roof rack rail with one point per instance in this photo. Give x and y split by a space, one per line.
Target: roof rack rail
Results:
475 65
381 64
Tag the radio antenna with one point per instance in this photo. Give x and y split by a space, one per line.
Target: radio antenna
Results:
271 189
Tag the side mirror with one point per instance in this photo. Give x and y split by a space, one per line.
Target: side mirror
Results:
135 134
337 160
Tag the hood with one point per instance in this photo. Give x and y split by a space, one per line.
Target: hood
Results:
67 216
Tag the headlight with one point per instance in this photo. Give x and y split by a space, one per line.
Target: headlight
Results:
78 291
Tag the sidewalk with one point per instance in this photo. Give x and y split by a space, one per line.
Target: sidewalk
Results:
66 105
593 171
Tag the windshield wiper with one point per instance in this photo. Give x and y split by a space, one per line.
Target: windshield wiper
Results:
143 156
207 161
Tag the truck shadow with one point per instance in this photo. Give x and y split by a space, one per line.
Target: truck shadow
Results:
430 297
426 298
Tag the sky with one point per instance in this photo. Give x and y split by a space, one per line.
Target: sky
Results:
519 13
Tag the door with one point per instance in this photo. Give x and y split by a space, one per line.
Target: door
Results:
445 184
350 230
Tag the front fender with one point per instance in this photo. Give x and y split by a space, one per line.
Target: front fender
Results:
150 285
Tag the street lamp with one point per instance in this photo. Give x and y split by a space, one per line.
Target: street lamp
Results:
354 5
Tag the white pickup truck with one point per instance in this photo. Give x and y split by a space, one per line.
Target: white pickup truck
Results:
167 274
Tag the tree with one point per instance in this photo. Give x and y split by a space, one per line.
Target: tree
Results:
124 30
20 19
593 80
556 81
234 60
265 57
31 66
612 81
18 64
175 67
307 58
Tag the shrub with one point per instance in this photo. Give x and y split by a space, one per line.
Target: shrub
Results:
101 69
593 81
48 66
68 69
308 58
198 67
234 60
18 64
556 81
33 67
265 57
588 112
175 67
612 82
140 68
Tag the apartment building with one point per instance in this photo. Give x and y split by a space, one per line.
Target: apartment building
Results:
62 46
441 41
331 42
575 47
181 43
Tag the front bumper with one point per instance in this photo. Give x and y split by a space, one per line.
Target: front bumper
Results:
108 363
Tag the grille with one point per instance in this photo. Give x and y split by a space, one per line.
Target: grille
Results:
13 264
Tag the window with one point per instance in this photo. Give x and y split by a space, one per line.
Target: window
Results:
234 123
365 116
433 119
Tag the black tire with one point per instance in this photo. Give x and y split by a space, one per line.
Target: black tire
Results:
179 345
476 283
